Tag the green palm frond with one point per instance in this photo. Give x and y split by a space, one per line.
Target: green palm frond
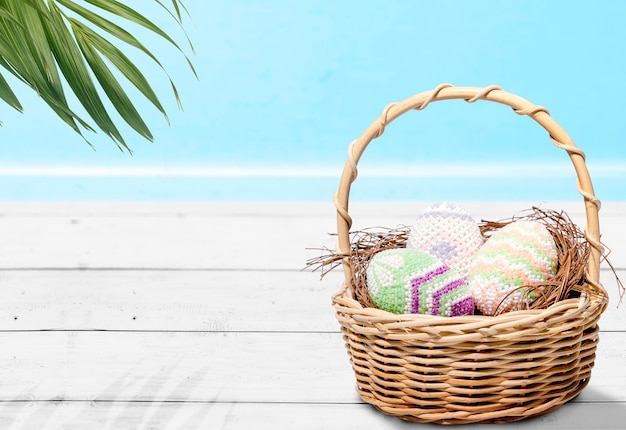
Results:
7 94
58 45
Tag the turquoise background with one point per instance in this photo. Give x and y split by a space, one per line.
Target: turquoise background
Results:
285 86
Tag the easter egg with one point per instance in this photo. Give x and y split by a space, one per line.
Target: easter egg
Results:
449 233
517 255
405 281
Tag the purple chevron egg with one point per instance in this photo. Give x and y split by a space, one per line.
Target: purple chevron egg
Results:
404 281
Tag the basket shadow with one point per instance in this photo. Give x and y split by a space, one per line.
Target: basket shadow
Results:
603 412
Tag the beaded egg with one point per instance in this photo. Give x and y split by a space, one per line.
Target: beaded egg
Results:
449 233
405 281
519 254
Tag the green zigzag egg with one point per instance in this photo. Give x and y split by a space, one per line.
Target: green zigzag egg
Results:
403 281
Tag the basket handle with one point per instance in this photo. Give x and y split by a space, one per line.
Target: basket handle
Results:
491 93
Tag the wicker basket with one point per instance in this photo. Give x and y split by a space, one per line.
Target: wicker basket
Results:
474 368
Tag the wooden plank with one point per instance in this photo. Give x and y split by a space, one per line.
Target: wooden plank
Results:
167 300
186 300
189 241
211 235
212 367
270 416
130 366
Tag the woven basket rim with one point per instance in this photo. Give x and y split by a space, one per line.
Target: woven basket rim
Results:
343 301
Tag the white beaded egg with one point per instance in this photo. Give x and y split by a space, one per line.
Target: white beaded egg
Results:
449 233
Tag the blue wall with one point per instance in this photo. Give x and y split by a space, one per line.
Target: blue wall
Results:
286 85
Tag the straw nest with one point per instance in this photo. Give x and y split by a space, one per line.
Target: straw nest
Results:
569 281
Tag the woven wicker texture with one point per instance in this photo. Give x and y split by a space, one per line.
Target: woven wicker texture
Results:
472 368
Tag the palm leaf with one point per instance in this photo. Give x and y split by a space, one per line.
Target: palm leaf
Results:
126 12
119 60
71 63
118 32
176 9
39 42
110 85
7 94
178 17
27 55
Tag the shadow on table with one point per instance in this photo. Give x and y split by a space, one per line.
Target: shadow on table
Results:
600 414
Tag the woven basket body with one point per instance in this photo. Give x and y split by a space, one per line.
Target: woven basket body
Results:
475 368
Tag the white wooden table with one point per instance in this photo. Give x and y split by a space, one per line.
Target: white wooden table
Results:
197 315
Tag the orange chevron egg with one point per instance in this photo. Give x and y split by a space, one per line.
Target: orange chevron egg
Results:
518 255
